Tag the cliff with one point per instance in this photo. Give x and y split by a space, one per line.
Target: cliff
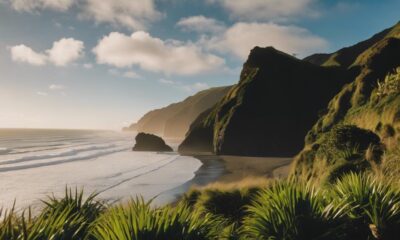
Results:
174 120
270 110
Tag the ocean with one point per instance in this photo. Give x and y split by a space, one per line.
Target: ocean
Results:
35 164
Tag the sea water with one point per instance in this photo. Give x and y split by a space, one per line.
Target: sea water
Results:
35 164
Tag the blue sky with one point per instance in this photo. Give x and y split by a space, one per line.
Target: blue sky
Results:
102 64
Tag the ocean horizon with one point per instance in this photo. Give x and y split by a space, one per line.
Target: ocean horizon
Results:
36 163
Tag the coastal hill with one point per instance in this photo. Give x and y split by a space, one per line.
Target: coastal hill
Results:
370 103
270 110
174 120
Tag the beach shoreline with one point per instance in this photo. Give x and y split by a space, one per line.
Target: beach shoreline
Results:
227 169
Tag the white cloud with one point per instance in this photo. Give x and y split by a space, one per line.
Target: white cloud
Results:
131 74
134 14
201 24
154 54
32 5
65 51
240 38
62 53
276 10
56 87
22 53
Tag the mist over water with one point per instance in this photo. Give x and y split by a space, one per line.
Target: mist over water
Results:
36 163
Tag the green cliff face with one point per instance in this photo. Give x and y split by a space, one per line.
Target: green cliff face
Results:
371 102
174 120
270 110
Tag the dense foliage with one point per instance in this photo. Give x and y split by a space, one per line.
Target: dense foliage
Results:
356 206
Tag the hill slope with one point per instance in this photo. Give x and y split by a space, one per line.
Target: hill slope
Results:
369 103
270 110
174 120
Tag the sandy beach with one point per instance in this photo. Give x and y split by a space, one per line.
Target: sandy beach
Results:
234 168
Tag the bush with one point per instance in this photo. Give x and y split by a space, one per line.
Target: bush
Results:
138 221
371 206
345 137
228 204
289 210
390 85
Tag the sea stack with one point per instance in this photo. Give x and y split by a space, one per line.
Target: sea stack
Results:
151 143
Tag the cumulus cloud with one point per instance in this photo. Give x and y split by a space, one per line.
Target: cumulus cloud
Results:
62 53
133 14
56 87
201 24
276 10
240 38
22 53
32 5
154 54
65 51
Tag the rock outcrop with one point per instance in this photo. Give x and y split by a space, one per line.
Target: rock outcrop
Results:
151 143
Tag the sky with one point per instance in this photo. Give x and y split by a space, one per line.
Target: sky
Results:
102 64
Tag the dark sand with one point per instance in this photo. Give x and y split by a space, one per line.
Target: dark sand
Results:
234 168
227 169
238 167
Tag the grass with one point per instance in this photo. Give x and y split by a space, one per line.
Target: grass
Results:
356 206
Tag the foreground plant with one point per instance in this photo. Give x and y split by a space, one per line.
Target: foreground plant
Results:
66 218
372 206
138 221
288 210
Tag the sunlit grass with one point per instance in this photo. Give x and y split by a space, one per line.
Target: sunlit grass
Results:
356 206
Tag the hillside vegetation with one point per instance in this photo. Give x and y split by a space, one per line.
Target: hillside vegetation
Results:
270 110
369 105
353 207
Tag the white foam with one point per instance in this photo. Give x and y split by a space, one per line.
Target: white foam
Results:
117 176
31 170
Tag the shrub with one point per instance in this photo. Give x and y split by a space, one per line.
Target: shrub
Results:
66 218
228 204
289 210
138 221
345 137
390 85
11 225
371 206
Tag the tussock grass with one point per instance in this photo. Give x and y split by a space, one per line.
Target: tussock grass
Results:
355 206
138 221
290 210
